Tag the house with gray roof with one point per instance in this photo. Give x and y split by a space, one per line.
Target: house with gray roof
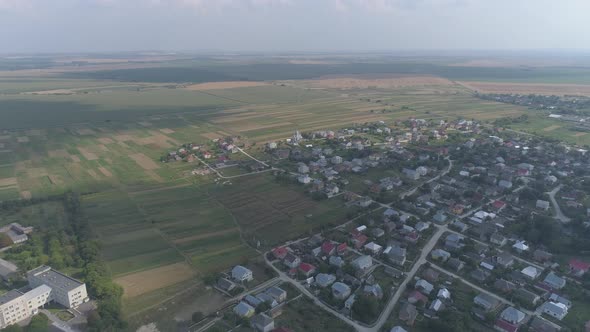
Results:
362 263
554 281
262 323
277 293
555 309
340 290
485 301
512 315
527 297
243 309
241 274
324 280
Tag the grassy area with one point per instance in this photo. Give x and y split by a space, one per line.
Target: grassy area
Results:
303 315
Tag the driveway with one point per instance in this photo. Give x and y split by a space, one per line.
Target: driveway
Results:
558 213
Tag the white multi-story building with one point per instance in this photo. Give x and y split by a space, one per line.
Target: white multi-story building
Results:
16 306
46 285
65 290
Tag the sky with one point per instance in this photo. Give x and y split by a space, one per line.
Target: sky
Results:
63 26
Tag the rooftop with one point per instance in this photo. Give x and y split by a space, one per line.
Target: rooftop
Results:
54 278
11 295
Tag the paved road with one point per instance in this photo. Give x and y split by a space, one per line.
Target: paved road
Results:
558 213
264 285
499 298
317 302
410 192
409 277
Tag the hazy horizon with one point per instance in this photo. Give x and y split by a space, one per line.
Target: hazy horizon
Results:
271 26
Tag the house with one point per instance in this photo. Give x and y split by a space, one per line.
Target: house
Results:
504 286
241 274
440 217
267 299
539 324
505 259
341 248
424 286
373 248
541 204
504 184
328 248
411 174
304 179
520 246
277 293
512 316
422 226
336 261
243 309
542 256
262 323
530 272
560 299
397 255
439 254
324 280
7 269
291 261
373 290
252 300
455 264
225 285
485 301
498 239
418 298
555 309
280 252
436 305
480 275
459 226
306 269
362 263
503 326
454 242
340 290
554 281
408 314
349 302
443 294
578 268
430 275
397 329
527 297
359 240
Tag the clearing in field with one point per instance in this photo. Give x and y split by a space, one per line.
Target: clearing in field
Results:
223 85
22 139
85 131
144 161
551 128
376 82
5 182
579 134
139 283
55 180
93 174
529 88
87 154
212 135
167 131
105 172
75 158
60 153
106 140
26 194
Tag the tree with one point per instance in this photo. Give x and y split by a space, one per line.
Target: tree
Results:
13 328
39 323
366 308
5 240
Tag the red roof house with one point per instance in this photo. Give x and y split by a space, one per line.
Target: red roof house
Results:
578 267
328 248
280 252
359 240
341 248
306 269
498 205
502 325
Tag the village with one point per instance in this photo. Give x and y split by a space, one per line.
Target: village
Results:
447 208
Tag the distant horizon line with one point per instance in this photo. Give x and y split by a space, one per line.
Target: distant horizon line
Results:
400 52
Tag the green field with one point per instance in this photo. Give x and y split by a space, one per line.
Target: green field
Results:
102 133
